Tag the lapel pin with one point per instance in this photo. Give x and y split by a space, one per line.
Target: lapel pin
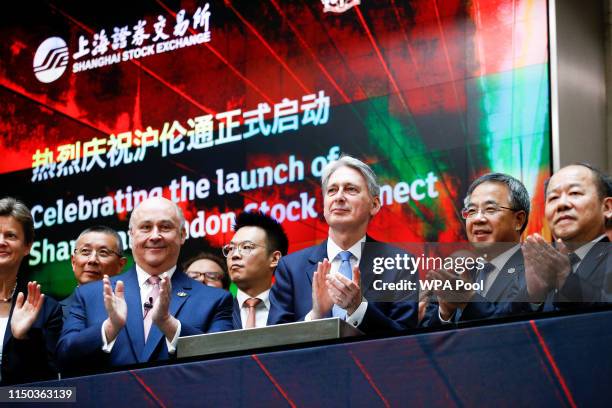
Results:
181 294
511 270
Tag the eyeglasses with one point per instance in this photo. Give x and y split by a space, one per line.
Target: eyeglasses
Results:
244 248
102 253
212 276
488 211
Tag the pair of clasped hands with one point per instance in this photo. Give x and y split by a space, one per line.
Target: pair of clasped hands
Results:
329 289
546 268
116 307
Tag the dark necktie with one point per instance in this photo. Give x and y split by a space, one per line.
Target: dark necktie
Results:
574 260
482 274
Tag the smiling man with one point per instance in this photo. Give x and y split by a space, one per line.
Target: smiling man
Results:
325 280
98 251
496 211
138 316
252 257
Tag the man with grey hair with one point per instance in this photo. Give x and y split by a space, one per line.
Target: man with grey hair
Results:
138 316
98 251
325 280
496 212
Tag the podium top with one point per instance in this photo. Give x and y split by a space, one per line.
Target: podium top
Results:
269 336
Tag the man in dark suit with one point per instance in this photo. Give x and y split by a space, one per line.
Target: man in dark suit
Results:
138 316
252 256
496 212
571 273
98 251
325 280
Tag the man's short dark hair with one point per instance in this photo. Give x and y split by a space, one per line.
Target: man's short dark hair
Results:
518 199
225 280
103 229
600 179
277 239
11 207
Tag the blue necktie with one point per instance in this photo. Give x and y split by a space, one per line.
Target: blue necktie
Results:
346 270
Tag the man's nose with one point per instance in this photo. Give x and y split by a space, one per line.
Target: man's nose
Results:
340 196
155 233
479 217
564 202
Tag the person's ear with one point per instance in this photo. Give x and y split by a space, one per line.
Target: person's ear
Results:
276 256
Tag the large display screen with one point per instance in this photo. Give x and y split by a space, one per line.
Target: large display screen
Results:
226 106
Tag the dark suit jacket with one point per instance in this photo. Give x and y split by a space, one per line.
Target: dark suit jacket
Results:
32 359
291 295
236 319
583 288
199 308
507 284
65 305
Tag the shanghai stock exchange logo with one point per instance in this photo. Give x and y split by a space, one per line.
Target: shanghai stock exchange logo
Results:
51 59
339 6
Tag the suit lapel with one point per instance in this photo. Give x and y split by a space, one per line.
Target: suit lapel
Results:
318 254
181 289
237 320
134 325
592 259
367 277
506 276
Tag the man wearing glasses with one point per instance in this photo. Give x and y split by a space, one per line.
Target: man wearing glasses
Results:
98 252
138 316
496 212
209 269
252 257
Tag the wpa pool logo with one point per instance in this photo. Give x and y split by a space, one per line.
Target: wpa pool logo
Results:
51 59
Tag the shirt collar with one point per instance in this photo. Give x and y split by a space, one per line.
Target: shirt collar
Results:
264 296
333 249
500 260
583 250
143 276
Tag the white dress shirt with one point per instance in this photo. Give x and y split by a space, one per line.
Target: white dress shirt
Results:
145 289
261 310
